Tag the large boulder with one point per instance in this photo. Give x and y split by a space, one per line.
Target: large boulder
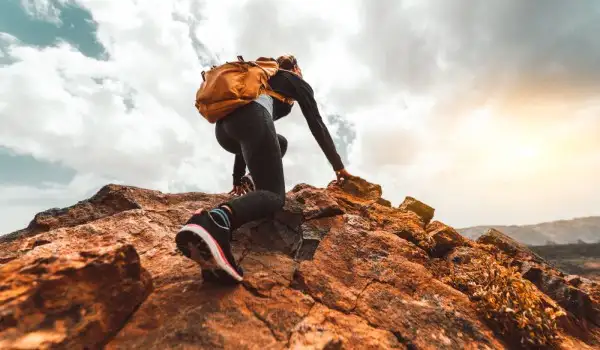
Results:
424 211
72 301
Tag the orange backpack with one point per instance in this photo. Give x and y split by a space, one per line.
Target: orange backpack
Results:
234 84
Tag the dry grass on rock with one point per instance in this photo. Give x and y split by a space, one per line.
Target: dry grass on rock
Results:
511 305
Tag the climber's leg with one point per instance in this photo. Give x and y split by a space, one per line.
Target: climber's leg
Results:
252 126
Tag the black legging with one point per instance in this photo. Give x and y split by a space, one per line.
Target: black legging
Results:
239 165
251 129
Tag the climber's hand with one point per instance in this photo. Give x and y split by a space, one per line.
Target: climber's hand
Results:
343 175
238 190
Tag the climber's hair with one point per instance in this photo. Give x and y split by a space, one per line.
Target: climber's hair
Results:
287 62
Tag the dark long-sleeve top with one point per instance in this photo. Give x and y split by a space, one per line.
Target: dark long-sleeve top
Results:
293 86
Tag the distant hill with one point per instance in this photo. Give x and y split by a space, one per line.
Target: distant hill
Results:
578 230
576 259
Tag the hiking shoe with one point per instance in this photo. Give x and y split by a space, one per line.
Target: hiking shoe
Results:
207 243
247 183
220 276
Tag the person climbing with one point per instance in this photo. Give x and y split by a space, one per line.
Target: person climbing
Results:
248 131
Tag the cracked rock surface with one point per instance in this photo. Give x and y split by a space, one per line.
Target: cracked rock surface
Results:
337 268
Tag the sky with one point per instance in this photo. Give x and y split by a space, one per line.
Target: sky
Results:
487 111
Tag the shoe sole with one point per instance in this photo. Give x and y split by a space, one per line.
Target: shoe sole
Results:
197 244
219 276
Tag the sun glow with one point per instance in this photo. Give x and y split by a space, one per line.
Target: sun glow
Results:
528 152
505 144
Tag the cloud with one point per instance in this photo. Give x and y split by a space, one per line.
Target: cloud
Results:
20 203
422 45
128 117
488 111
46 10
343 133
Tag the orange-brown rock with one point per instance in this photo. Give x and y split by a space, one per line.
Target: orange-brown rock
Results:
80 299
361 189
508 302
424 211
444 238
509 246
337 268
580 299
324 328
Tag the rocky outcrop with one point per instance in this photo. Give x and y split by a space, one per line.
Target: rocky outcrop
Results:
578 296
59 301
424 211
509 246
337 268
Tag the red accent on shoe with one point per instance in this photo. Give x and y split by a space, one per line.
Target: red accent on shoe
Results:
220 251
